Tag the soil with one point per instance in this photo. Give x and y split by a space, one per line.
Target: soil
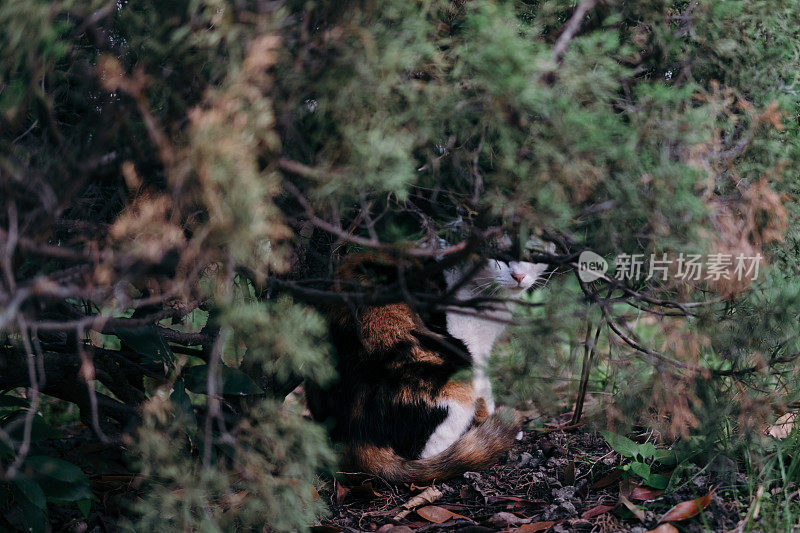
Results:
552 480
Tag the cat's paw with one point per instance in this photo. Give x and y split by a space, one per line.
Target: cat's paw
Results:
519 436
481 412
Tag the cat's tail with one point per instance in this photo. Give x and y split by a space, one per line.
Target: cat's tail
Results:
477 449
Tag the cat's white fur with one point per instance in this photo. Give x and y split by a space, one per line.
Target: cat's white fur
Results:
479 329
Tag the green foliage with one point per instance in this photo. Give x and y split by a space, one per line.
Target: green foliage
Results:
232 381
639 453
180 164
38 479
266 465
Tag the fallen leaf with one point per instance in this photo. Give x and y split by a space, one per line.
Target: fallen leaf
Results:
429 495
597 510
569 474
606 480
664 528
783 426
391 528
364 492
638 513
645 494
504 520
517 500
325 529
533 527
436 514
687 509
341 493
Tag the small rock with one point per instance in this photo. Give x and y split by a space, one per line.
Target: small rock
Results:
524 460
563 494
550 513
568 508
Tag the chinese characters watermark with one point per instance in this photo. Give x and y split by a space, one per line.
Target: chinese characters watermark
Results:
687 267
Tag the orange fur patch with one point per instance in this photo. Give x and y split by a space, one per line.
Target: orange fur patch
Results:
384 326
457 391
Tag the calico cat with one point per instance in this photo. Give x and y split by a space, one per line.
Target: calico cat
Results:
413 403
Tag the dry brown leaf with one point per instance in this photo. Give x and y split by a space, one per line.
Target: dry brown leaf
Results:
687 509
606 480
436 514
638 513
664 528
504 520
533 527
364 492
516 501
597 510
391 528
783 426
569 474
429 495
645 494
341 493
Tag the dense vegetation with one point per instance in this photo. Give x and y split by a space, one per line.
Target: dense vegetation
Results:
178 181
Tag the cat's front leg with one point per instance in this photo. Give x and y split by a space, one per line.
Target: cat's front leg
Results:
483 389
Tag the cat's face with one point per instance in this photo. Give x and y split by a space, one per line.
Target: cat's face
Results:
512 278
502 278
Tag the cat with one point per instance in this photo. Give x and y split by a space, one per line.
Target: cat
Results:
413 402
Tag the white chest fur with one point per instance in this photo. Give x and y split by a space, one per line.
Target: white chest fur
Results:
479 329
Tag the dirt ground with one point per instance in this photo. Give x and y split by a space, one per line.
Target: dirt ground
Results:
554 481
551 481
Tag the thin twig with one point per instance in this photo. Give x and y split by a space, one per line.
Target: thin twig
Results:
33 393
588 356
574 23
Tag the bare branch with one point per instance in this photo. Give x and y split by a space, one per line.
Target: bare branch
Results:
573 24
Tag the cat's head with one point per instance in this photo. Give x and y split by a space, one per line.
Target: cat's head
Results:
509 278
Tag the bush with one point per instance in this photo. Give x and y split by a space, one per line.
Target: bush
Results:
179 180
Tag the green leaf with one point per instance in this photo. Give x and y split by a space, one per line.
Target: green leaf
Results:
666 457
30 489
5 493
647 450
180 398
640 469
657 481
61 492
148 342
6 451
232 380
85 506
7 400
620 444
51 467
14 425
32 502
